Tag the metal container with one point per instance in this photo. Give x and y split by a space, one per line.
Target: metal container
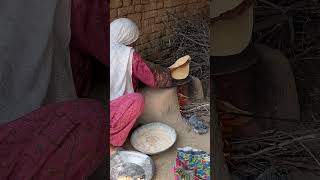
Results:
151 127
133 164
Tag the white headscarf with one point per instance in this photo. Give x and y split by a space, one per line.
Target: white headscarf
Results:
123 32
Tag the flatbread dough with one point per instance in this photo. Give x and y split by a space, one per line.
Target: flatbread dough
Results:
180 69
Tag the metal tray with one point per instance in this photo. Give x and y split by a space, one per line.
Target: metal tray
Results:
132 164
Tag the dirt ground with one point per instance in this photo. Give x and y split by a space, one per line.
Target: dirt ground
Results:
162 106
165 161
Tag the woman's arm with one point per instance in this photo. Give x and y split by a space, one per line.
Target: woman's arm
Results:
150 74
141 71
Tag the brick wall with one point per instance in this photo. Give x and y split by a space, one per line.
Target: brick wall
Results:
154 23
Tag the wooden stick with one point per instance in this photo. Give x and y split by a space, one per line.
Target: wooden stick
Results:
259 116
308 150
312 136
199 43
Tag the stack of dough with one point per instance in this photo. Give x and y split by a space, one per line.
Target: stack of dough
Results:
180 69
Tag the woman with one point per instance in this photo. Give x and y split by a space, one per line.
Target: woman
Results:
45 132
126 69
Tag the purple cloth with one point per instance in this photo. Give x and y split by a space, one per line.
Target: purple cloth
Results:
89 41
59 141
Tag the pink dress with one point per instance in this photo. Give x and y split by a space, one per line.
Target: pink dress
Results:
125 110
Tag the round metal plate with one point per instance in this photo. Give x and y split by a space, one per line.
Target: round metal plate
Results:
149 127
132 164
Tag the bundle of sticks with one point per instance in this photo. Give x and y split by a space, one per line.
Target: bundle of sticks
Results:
190 37
281 151
291 26
199 108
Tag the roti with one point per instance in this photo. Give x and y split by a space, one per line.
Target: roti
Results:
181 72
180 69
181 61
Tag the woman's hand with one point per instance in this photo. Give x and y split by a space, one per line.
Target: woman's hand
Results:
176 82
163 76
